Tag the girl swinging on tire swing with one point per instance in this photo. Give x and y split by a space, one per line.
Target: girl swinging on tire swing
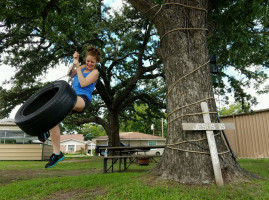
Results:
85 78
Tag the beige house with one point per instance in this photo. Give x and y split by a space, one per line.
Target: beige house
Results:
250 139
136 139
17 145
73 143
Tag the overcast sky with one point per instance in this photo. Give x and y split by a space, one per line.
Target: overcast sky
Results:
6 72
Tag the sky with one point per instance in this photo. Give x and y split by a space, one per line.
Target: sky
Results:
115 4
61 70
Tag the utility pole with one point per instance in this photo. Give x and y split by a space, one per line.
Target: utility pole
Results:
152 128
162 127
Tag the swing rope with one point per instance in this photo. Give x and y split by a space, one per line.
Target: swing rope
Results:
77 39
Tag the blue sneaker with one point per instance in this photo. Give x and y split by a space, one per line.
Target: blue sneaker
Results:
54 159
43 137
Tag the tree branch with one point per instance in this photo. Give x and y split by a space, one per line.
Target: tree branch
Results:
45 13
152 76
104 94
151 68
96 120
143 97
132 83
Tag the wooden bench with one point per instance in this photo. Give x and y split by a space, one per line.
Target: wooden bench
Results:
121 154
121 158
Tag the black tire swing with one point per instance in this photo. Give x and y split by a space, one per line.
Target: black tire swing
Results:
46 108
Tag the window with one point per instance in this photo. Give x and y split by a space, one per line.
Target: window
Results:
71 148
152 143
16 137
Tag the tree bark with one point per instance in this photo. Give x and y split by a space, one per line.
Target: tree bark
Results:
182 51
113 132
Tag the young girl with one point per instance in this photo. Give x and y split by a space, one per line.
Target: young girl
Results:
85 78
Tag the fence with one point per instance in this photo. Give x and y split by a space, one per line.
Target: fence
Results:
25 151
250 139
17 145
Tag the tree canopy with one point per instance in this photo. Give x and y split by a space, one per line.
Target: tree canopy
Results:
38 35
38 41
34 40
239 36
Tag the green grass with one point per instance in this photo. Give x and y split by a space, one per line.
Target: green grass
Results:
257 166
94 162
133 184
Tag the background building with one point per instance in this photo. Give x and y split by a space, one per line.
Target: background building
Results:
17 145
73 143
250 139
136 139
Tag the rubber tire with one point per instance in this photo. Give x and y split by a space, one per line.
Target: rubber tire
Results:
46 108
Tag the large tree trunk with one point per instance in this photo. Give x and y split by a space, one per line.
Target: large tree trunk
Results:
183 51
113 129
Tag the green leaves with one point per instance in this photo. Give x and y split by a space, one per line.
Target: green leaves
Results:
38 40
241 42
235 109
37 35
141 118
15 96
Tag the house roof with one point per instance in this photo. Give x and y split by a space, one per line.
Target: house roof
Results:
78 137
8 125
133 136
73 140
7 122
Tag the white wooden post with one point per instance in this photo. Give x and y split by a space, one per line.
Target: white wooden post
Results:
209 127
212 147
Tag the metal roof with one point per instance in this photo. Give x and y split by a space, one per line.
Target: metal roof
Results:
7 122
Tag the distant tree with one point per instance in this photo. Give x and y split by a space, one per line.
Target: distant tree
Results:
89 130
142 119
235 109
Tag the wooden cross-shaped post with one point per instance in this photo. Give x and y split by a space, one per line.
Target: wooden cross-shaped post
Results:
209 127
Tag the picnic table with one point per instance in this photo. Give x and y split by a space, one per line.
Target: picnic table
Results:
123 153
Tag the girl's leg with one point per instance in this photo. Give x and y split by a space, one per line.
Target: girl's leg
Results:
79 105
55 134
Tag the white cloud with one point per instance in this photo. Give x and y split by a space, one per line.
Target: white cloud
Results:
58 72
5 73
263 99
115 5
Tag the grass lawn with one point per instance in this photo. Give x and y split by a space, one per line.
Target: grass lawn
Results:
82 178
